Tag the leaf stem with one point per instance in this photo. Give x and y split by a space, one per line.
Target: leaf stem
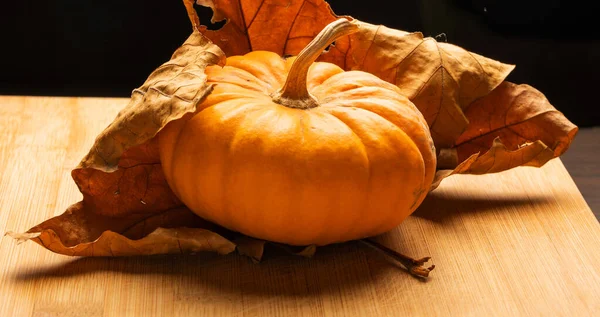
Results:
413 266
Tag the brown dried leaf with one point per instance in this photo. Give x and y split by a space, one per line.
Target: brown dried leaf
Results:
281 26
138 185
171 91
304 251
255 248
514 125
128 207
250 247
518 114
441 79
127 212
83 232
497 159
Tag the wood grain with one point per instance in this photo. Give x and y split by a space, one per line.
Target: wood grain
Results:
522 242
581 160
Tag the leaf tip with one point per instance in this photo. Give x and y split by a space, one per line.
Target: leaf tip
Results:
308 252
250 247
22 237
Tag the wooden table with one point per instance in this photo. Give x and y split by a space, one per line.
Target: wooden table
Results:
522 242
581 160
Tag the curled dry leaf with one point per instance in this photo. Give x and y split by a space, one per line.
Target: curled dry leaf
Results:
255 248
517 114
514 125
250 247
441 79
171 91
479 124
128 207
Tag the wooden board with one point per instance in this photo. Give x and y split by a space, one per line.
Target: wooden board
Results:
522 242
581 160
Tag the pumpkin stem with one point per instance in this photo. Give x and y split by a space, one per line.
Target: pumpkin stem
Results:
294 93
414 266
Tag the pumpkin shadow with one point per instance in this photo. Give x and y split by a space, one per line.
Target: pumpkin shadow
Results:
340 268
441 208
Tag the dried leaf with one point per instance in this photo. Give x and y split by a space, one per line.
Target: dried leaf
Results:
518 114
439 78
171 91
80 231
281 26
128 207
159 241
304 251
497 159
307 251
255 248
250 247
514 125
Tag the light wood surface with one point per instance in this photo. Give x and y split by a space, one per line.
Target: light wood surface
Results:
581 160
522 242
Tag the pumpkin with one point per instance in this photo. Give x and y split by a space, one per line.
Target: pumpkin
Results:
300 152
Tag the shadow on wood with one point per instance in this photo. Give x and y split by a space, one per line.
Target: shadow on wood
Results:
198 276
441 207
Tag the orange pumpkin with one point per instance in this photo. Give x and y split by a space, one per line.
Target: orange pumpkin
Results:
297 152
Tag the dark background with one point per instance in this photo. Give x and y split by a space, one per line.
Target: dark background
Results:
107 48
